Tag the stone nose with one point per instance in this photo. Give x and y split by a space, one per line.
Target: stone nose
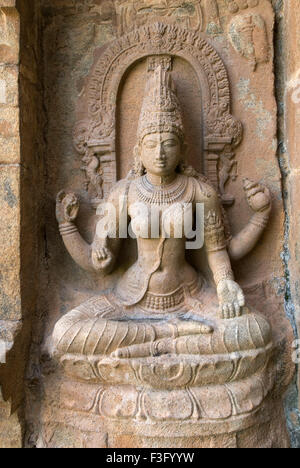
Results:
160 152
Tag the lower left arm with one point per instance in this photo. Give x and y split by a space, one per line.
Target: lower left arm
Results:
246 240
77 247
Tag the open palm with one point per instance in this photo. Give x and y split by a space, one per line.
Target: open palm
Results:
231 298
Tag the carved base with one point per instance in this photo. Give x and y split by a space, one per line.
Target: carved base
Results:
170 372
262 428
236 415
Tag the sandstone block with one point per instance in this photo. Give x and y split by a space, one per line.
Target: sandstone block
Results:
9 85
9 121
7 3
10 302
10 150
10 432
9 35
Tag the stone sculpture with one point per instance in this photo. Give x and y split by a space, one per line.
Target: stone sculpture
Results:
248 35
164 345
133 12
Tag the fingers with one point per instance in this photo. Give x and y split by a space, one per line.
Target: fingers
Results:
67 206
230 310
105 263
95 259
101 258
232 300
255 190
102 254
60 196
241 298
226 312
237 291
100 264
237 308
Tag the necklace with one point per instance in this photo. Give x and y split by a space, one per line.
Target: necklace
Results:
162 194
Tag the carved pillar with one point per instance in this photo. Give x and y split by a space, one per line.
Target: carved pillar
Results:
219 162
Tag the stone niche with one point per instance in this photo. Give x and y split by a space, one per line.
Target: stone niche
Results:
87 77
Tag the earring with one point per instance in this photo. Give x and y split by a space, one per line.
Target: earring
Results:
138 167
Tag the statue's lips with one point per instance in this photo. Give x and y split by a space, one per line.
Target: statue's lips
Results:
161 165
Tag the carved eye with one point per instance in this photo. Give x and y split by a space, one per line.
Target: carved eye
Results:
170 143
150 144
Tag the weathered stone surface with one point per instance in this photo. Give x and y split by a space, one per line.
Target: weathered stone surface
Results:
10 430
10 150
73 61
76 35
19 184
10 305
10 299
292 156
9 121
7 3
8 329
9 85
9 35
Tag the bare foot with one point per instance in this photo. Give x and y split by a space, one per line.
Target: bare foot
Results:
192 327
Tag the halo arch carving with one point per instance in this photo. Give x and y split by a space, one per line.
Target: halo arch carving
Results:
97 131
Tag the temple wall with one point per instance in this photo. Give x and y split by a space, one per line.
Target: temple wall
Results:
289 154
21 176
47 50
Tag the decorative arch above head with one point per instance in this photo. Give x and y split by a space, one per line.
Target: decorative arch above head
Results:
97 130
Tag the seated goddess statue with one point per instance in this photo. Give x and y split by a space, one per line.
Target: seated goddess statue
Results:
161 305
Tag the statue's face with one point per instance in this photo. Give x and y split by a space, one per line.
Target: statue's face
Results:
161 153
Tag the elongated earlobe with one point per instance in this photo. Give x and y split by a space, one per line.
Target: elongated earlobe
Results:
138 167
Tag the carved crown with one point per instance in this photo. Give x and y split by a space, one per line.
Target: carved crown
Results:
160 110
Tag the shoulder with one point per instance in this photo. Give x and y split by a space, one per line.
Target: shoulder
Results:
119 189
205 192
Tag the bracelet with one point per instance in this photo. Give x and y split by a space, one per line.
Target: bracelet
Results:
260 220
224 273
67 229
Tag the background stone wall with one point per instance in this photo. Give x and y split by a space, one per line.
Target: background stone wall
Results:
288 97
46 52
21 177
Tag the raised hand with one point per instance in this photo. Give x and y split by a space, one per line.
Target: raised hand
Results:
258 196
67 207
231 299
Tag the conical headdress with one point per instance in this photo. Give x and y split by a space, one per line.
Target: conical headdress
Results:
160 110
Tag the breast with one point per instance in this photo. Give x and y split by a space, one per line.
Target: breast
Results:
140 224
168 222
